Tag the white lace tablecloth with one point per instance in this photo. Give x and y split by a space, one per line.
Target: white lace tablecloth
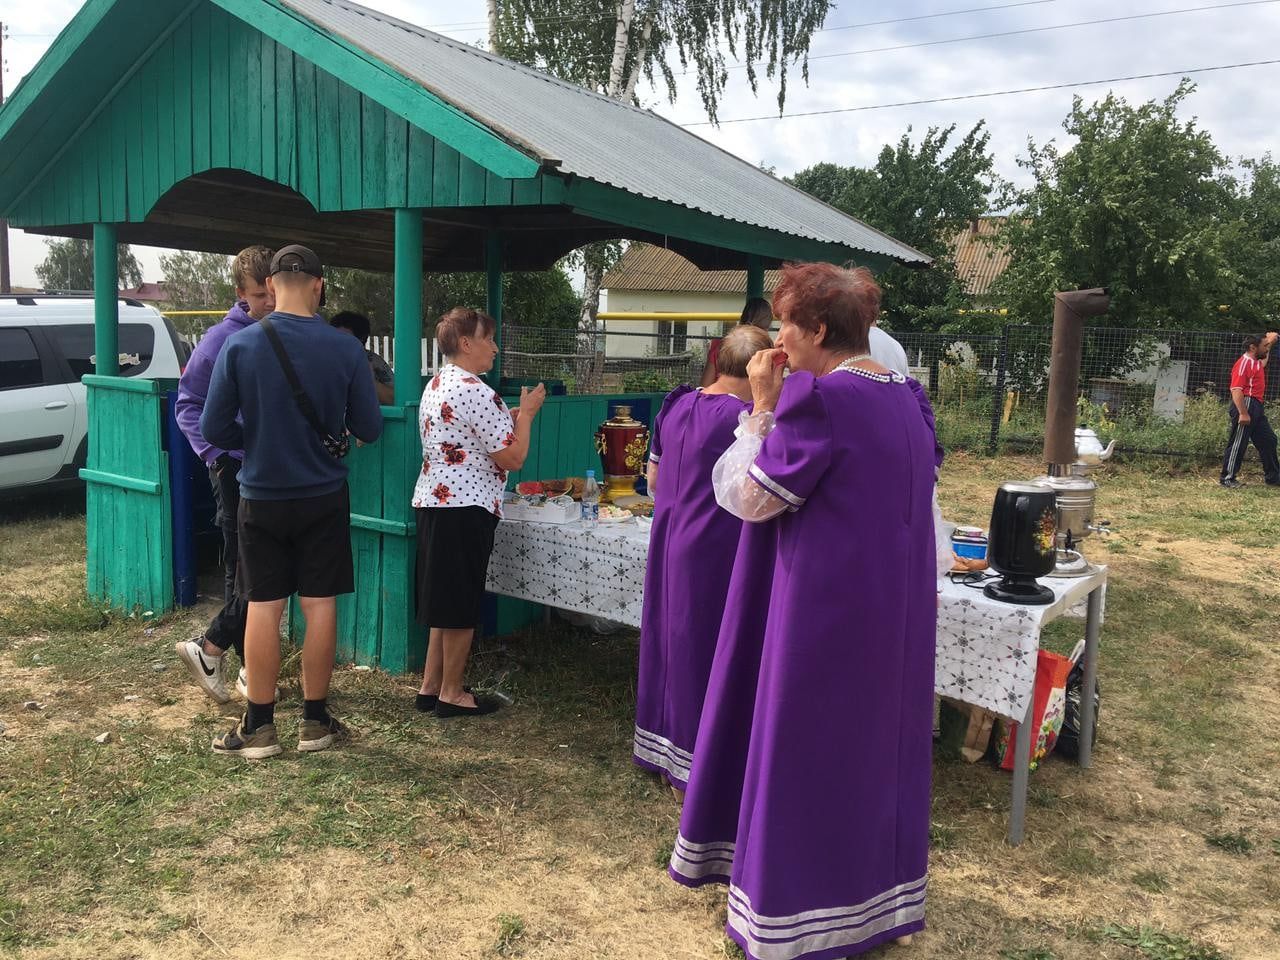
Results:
986 651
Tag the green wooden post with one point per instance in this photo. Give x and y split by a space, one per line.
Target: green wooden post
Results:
106 294
408 305
755 276
493 296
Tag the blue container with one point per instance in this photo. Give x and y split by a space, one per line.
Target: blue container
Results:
976 550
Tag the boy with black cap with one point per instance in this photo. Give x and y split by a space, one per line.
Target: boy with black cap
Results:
294 522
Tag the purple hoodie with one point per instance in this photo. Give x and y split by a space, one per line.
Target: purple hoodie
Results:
193 388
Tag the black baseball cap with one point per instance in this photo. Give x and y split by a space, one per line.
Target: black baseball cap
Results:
296 258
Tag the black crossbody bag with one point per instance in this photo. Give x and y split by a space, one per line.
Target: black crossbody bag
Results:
337 447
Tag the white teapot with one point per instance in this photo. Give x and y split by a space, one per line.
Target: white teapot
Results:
1089 448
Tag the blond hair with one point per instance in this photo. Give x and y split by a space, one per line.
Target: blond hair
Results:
738 347
251 263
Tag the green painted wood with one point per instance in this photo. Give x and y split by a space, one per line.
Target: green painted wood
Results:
380 525
284 121
408 304
396 161
526 192
755 276
471 183
421 167
403 642
220 101
90 203
328 135
377 80
106 304
493 297
116 480
350 159
106 184
182 113
201 111
165 79
267 97
148 82
444 176
245 87
497 191
305 81
374 150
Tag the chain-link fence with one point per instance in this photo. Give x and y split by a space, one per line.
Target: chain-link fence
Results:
1156 392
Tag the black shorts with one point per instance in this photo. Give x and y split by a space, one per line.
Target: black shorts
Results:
454 544
296 546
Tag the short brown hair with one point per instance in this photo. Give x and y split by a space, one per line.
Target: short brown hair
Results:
462 322
738 347
846 299
251 263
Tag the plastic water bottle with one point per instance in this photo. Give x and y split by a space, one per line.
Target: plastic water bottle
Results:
591 500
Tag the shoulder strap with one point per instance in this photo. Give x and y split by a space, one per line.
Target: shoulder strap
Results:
299 395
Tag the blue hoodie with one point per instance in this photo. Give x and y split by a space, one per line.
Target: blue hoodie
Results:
250 405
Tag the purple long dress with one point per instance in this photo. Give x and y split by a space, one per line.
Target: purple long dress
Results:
692 543
809 794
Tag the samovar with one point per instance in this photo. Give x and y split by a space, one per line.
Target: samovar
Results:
623 444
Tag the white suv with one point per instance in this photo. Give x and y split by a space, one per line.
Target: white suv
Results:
46 346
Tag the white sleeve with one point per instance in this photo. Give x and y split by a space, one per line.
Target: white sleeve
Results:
945 554
736 492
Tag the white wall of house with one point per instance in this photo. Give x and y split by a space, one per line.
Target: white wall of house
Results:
618 344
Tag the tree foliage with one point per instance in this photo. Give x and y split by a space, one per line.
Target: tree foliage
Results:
68 265
1145 205
922 194
198 281
607 45
542 298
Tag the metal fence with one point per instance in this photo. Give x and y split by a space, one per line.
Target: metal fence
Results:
1156 392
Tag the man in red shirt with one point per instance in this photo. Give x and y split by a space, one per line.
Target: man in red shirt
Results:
1249 414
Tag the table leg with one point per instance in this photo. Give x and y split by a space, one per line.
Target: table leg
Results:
1092 632
1021 773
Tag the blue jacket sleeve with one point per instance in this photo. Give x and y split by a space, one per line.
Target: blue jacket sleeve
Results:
218 421
364 416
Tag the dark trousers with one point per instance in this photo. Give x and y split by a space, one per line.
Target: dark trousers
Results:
226 630
1258 432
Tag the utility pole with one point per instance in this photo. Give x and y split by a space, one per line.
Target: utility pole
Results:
5 285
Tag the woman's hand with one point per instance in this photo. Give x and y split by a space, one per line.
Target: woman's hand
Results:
764 371
531 400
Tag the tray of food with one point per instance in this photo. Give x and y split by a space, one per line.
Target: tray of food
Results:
531 502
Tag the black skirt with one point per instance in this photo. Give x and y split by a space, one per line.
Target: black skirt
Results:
454 544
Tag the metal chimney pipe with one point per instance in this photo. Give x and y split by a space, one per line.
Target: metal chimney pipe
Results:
1070 309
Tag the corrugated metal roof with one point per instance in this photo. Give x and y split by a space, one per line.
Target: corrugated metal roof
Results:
978 260
592 136
646 267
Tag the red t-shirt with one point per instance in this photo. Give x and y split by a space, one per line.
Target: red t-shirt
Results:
1250 376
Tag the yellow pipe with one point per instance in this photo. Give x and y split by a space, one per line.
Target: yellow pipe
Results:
669 317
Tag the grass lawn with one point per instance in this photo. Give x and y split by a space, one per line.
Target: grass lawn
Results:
530 833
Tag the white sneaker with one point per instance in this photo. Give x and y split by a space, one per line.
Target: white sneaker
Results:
242 686
205 671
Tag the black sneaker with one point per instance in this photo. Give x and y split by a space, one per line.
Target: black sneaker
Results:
1231 484
259 745
322 734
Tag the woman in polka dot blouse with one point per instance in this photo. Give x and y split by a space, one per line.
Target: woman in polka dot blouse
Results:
470 440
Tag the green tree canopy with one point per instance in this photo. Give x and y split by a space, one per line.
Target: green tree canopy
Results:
197 281
68 265
922 194
1145 205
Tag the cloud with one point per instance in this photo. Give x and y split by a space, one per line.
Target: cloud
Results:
1228 104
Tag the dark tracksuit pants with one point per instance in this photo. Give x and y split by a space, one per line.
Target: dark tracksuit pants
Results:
226 630
1258 432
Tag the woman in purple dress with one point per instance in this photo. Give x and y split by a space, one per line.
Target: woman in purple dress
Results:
809 792
690 553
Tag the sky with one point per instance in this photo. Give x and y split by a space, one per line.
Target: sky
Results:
843 74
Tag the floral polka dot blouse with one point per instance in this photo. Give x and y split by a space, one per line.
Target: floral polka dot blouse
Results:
462 420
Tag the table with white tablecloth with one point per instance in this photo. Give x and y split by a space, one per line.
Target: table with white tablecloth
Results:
986 649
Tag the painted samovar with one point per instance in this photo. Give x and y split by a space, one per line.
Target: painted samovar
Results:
623 443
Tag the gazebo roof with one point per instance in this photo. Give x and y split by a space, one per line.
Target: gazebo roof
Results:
350 111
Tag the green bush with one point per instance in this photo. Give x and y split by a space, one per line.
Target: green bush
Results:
649 381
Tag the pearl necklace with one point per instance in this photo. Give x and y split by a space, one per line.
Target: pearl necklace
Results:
848 366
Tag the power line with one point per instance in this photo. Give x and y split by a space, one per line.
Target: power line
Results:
992 93
1024 31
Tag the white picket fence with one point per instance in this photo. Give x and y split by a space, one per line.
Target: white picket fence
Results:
385 347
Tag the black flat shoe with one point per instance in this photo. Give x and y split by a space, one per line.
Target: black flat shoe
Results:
426 702
483 706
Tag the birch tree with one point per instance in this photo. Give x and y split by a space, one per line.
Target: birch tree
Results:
609 45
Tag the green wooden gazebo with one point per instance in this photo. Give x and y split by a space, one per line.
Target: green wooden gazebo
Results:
213 124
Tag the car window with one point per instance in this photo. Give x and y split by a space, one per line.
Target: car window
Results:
19 359
136 343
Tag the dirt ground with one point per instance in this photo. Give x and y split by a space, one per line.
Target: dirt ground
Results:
530 834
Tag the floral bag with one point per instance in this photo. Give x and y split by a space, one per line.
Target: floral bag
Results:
1049 700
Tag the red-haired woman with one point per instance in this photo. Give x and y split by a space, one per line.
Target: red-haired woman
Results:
809 790
469 442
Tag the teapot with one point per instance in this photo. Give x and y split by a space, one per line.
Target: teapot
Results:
1089 448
